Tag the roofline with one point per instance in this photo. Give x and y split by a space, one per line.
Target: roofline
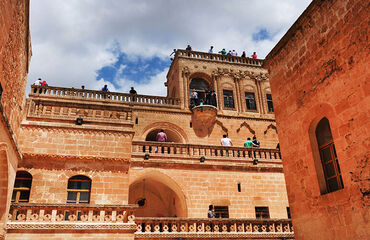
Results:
292 30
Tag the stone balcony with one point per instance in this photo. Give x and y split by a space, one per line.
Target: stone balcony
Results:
218 58
216 228
146 153
32 217
100 96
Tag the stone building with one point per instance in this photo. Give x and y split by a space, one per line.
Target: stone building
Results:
91 160
79 163
319 73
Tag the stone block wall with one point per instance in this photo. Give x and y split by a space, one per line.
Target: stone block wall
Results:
201 188
15 52
319 69
75 142
50 183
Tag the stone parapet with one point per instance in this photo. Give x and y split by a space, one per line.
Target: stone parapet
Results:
213 228
241 158
28 216
219 58
101 96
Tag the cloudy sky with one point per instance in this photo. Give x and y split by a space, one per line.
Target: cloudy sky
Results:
126 43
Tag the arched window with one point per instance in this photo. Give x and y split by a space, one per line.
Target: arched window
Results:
328 156
79 188
22 187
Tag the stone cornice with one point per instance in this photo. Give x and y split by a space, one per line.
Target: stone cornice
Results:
208 165
39 156
126 227
78 128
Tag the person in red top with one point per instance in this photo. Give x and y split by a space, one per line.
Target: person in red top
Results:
161 136
254 55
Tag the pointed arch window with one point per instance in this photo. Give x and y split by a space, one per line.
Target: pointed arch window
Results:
328 156
22 187
79 188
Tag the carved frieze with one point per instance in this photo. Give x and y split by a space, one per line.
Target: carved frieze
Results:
67 110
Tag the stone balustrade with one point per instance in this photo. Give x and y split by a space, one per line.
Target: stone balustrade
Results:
212 151
114 97
219 58
58 216
215 228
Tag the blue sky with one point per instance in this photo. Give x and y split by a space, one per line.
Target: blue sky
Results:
124 43
138 69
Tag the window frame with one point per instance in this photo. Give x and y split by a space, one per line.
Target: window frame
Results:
79 191
334 160
269 101
232 98
254 99
18 190
261 212
221 211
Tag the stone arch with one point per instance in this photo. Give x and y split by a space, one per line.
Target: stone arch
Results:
246 125
163 196
203 76
271 126
174 132
310 123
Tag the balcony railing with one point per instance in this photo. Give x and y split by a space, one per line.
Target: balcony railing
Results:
71 216
208 151
213 228
114 97
219 58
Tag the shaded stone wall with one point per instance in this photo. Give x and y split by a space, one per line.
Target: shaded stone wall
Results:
319 69
14 59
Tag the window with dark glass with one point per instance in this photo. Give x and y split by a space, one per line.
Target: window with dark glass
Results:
288 212
79 188
221 211
270 106
328 156
250 101
22 187
228 99
262 212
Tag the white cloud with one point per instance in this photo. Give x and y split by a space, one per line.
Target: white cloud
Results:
72 39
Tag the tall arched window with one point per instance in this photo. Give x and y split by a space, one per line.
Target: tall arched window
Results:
22 187
79 188
328 156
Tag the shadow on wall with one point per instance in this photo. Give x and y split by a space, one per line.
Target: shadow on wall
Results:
156 199
171 136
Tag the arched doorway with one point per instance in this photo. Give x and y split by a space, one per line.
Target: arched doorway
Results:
172 136
200 86
157 196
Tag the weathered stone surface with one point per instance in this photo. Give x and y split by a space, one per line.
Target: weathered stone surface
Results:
320 69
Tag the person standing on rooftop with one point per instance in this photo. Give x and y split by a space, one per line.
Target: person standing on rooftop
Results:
210 50
243 54
254 55
188 48
223 51
234 53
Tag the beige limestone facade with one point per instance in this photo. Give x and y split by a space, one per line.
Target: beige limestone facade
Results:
92 162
